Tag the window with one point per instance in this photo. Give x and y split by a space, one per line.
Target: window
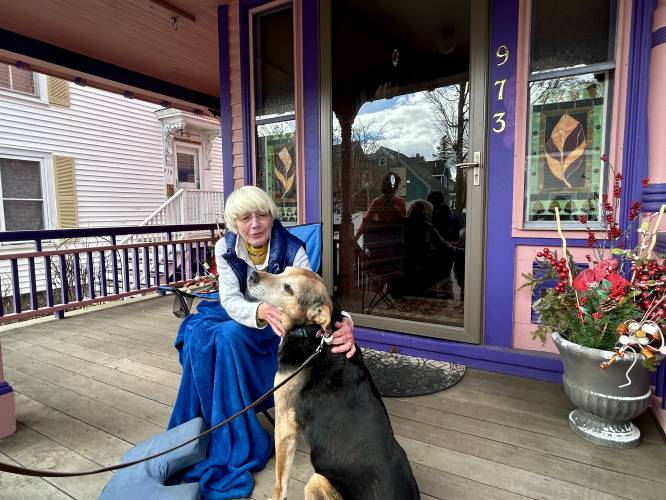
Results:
274 108
21 194
188 168
570 83
18 80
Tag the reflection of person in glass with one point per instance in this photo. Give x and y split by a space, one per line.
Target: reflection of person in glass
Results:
228 349
386 208
425 250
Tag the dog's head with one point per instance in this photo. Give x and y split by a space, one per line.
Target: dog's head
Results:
299 294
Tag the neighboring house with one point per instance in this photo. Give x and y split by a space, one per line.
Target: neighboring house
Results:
75 156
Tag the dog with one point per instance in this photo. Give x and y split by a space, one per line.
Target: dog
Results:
333 402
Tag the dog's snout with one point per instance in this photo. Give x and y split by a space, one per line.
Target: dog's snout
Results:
253 278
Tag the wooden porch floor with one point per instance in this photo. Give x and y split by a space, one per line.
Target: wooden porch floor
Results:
92 385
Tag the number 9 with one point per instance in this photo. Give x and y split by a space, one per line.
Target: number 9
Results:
502 52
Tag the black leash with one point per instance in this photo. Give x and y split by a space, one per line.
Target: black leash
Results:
12 469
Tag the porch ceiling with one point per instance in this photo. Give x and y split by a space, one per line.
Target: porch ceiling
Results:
138 35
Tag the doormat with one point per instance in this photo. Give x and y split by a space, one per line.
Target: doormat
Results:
397 375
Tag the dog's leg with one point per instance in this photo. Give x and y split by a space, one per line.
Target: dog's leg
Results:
286 431
320 488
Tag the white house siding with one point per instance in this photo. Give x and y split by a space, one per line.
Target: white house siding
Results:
116 143
119 158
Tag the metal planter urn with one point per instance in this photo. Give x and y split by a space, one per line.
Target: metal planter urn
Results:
604 409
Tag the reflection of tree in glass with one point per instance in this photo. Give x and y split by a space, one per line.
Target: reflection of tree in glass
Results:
450 107
567 89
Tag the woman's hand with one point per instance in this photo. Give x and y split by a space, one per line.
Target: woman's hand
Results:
272 316
343 337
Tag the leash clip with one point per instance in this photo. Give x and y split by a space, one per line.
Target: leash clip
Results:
325 338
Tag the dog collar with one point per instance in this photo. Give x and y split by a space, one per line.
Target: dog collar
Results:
301 332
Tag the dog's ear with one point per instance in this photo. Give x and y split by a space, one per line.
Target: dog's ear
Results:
320 314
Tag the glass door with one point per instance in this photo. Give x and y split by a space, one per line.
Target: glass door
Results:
403 96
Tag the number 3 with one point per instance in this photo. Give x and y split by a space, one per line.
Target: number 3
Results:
499 120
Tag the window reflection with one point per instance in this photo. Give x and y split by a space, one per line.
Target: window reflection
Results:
405 253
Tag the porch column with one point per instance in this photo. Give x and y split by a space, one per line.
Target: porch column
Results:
655 194
7 409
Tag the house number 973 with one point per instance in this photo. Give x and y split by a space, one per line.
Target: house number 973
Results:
502 55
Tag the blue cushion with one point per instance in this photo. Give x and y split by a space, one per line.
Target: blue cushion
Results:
310 234
147 479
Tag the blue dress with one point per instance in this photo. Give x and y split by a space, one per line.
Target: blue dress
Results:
227 366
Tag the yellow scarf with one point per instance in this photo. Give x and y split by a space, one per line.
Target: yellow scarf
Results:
257 255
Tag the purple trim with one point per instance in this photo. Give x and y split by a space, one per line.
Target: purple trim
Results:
225 98
54 234
5 388
636 110
540 365
660 247
499 286
654 196
549 242
658 37
310 47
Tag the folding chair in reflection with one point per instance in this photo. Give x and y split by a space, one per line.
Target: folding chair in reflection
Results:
382 261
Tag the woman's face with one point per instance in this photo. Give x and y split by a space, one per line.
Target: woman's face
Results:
255 228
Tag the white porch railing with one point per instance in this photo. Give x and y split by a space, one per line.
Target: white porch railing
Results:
186 206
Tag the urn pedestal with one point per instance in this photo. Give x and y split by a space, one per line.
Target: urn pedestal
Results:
604 409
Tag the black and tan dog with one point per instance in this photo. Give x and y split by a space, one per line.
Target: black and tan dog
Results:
334 402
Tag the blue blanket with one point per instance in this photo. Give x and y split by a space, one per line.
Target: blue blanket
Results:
226 366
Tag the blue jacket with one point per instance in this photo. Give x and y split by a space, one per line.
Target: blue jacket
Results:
284 247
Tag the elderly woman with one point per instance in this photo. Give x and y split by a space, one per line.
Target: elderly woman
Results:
229 349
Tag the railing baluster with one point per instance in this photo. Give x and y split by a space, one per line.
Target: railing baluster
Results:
102 273
91 275
136 268
114 265
16 286
2 300
175 261
49 281
197 254
146 266
64 292
183 269
165 255
77 277
33 284
126 277
156 263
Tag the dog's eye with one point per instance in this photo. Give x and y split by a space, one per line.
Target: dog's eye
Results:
288 289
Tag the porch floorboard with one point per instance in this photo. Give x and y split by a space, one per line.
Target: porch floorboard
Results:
91 386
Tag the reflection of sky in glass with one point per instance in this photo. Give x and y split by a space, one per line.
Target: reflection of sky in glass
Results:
405 123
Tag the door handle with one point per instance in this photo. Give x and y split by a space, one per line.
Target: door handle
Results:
475 166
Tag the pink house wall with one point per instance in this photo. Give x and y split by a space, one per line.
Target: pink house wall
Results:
7 409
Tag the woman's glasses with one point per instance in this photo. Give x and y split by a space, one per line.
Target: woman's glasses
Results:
261 216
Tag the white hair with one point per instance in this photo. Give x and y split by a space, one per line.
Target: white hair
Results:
245 200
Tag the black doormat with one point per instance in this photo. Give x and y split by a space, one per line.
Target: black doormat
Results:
397 375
